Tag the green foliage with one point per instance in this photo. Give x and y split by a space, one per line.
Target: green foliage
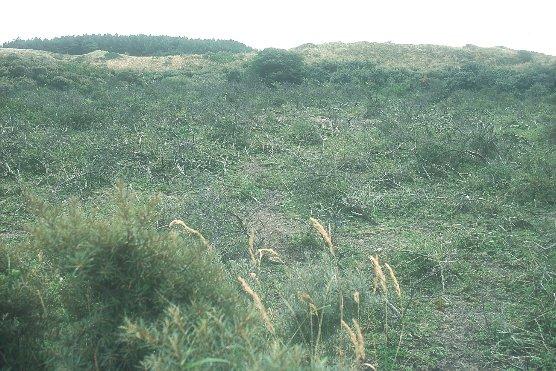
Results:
139 45
278 66
305 133
473 76
439 160
207 338
29 299
98 269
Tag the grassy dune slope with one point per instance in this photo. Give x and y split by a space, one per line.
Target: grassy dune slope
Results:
439 160
421 57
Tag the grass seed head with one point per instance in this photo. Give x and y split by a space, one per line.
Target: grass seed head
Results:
251 246
192 232
258 304
324 234
380 278
394 280
356 339
306 298
271 254
356 297
360 350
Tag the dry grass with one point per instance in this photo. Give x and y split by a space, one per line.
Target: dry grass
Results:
258 304
420 57
271 255
380 278
192 232
251 247
257 256
394 279
356 297
356 338
306 298
324 234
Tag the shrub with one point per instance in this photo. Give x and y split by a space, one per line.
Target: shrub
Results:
111 55
59 82
5 88
105 289
278 66
94 270
27 306
524 56
234 75
303 132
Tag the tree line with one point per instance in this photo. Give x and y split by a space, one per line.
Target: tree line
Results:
137 45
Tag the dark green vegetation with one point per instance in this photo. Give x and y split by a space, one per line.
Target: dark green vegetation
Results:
139 45
440 161
278 66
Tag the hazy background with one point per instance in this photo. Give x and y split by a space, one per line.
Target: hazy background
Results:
515 24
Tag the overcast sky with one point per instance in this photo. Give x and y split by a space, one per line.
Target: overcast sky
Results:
522 24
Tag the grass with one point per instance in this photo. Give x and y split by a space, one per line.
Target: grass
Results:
437 163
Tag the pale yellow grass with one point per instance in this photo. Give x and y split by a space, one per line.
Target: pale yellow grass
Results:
394 279
380 278
327 238
192 232
356 338
258 304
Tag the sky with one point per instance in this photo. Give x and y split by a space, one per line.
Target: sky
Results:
525 24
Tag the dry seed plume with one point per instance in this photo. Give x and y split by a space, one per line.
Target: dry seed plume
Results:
380 279
360 340
356 339
258 304
350 333
132 329
324 234
192 232
394 280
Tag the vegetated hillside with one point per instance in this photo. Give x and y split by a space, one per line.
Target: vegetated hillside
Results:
138 45
437 161
421 57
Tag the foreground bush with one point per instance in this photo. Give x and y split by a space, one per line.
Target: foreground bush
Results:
86 274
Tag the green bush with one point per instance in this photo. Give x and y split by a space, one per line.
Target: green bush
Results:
278 66
59 82
234 75
305 133
89 272
27 308
111 55
5 88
